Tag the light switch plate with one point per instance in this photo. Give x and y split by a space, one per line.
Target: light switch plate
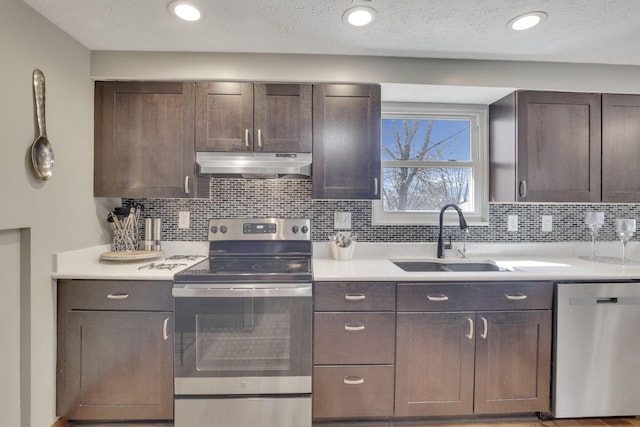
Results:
342 220
184 219
547 223
512 223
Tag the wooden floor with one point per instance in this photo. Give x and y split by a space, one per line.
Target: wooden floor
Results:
584 422
533 422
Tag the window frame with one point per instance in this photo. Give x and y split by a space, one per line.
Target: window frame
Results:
478 116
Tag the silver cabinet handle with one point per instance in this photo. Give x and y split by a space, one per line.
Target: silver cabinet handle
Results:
354 297
470 334
165 335
186 184
353 380
375 186
259 137
246 137
354 327
438 298
518 297
118 296
485 326
522 188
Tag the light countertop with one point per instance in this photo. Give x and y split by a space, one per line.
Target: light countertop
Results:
373 262
557 261
86 263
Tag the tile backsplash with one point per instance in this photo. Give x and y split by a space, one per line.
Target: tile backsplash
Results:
291 198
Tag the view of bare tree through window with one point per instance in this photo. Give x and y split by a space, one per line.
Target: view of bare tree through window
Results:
419 157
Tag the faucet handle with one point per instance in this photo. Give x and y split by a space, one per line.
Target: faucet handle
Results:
450 244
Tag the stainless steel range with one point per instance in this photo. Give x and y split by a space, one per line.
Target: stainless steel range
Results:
243 321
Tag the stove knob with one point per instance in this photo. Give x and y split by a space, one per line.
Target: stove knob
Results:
223 229
213 229
294 229
305 229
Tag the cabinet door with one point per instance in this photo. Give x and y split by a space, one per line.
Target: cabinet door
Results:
434 364
513 362
115 365
346 141
559 147
620 148
224 116
144 139
282 118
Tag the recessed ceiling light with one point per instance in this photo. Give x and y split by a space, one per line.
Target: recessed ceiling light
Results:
526 21
359 16
185 10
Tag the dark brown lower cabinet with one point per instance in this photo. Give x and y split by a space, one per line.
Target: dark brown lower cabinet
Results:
513 364
353 391
434 364
114 364
466 363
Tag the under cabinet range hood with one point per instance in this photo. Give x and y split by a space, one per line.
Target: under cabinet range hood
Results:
254 165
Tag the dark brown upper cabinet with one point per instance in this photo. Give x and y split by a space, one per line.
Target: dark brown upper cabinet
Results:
247 117
620 148
143 139
346 141
546 147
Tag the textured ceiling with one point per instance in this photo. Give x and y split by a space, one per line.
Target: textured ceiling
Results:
587 31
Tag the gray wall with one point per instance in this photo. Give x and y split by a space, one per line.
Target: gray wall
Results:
58 215
324 68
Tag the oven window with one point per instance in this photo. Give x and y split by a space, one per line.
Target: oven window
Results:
247 340
243 336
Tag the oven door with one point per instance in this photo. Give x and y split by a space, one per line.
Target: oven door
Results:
242 339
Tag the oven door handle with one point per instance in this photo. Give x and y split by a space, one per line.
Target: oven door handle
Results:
302 291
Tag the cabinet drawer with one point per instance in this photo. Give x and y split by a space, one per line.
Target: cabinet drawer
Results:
352 391
115 295
475 296
353 338
355 296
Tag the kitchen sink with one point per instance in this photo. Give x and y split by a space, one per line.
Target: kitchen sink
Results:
428 266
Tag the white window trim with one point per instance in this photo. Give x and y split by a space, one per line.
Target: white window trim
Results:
479 117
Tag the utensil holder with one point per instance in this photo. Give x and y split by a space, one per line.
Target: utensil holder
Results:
340 253
125 240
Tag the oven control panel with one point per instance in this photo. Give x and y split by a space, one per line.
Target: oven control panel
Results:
259 229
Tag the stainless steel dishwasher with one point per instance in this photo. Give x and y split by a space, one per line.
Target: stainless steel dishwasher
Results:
597 353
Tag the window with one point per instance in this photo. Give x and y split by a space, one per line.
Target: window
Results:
432 155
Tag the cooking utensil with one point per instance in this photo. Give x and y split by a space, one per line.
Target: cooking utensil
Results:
42 157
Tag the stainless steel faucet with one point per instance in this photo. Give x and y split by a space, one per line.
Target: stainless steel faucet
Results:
463 226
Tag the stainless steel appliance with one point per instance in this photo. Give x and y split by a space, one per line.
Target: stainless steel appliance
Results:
243 320
597 364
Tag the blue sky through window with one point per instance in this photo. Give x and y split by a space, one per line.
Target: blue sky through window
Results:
454 133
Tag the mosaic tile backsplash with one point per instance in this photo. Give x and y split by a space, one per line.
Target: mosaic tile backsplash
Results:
291 198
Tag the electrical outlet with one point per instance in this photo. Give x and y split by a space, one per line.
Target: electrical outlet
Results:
184 219
547 223
512 223
342 220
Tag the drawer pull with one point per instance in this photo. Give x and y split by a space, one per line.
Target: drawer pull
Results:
353 380
518 297
354 297
438 298
246 137
118 296
354 327
165 335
